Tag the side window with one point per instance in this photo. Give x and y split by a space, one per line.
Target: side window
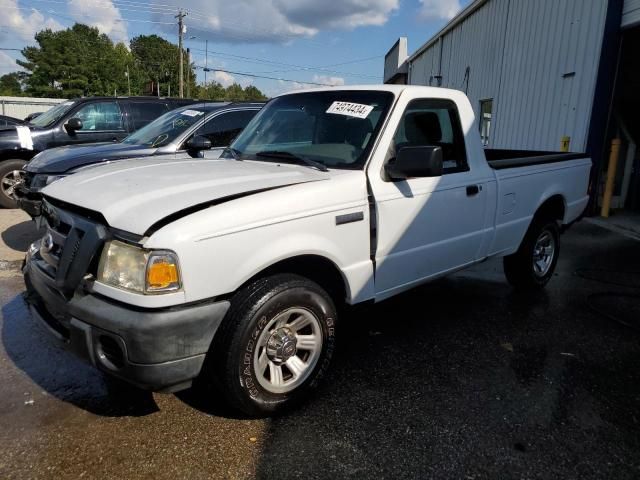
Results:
143 113
222 129
486 114
100 116
433 122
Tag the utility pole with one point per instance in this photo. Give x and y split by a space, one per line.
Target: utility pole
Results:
181 29
188 73
128 80
206 56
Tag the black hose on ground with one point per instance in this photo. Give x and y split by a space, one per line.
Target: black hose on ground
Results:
597 275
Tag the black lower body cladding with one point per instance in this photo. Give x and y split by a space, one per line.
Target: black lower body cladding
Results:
155 349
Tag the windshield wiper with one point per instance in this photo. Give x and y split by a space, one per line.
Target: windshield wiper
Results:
290 156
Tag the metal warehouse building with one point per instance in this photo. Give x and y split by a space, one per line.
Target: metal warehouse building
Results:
543 75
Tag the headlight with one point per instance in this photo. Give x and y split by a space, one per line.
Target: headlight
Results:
133 268
42 180
53 178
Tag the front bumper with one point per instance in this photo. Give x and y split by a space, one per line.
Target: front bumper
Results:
28 200
155 349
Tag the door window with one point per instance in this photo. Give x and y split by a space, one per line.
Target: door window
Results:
100 117
434 123
222 129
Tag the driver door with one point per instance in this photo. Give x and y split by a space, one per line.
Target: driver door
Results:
427 227
101 122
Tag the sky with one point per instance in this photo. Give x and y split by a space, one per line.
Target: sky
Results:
293 41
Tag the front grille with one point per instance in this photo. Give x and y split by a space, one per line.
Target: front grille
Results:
69 246
27 178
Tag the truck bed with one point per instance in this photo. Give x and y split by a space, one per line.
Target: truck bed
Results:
500 159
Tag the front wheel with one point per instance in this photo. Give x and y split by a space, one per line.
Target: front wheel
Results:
532 266
274 345
10 176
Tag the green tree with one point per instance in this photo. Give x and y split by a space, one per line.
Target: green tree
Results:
235 93
211 91
254 94
11 84
157 60
74 62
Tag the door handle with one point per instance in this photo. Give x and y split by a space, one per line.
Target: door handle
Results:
473 190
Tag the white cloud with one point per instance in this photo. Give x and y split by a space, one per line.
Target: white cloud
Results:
333 81
8 64
103 15
279 21
344 14
223 78
439 9
23 22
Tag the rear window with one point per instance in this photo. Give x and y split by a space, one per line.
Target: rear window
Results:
143 113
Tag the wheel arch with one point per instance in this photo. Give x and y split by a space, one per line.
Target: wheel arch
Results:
553 207
316 268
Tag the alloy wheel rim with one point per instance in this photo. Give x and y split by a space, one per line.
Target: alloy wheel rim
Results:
9 181
544 252
287 350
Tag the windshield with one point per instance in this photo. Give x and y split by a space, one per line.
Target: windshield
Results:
52 115
166 128
335 128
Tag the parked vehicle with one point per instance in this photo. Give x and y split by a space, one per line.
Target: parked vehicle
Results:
7 121
31 116
232 271
82 120
190 130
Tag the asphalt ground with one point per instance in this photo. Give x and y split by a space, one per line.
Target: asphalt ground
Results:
463 379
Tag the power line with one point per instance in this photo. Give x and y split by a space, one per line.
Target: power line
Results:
271 62
255 75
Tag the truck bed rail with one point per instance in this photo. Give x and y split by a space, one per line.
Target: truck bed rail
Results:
501 159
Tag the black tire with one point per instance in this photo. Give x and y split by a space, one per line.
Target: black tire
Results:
231 362
519 268
7 168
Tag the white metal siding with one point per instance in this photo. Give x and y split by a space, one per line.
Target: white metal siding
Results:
20 107
523 54
631 13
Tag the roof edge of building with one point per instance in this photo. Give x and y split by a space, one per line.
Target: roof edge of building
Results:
459 18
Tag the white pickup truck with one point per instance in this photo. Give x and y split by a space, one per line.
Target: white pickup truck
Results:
232 270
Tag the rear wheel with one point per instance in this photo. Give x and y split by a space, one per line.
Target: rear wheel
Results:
274 345
532 266
10 176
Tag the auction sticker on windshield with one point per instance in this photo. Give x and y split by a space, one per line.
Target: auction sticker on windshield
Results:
349 109
192 113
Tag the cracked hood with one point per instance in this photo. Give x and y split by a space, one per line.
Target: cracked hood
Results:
133 195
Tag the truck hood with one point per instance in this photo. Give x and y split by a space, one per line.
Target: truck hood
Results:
63 159
136 195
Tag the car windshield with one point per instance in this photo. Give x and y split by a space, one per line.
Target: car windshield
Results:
334 128
52 115
166 128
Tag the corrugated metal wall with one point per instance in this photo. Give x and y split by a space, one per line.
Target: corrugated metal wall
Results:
631 13
538 60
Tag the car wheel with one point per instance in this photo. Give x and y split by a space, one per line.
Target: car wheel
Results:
274 345
532 266
10 176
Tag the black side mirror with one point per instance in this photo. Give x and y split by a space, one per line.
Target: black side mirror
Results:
198 143
413 162
73 124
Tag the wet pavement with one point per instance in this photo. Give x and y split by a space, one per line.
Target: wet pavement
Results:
463 378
